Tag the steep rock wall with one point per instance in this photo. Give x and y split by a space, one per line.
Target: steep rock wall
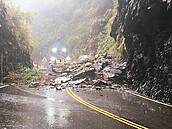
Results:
147 28
12 52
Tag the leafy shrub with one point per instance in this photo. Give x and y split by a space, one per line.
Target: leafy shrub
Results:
25 75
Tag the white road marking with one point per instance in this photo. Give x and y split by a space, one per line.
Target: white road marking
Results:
156 101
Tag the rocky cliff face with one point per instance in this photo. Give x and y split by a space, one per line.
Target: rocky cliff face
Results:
147 28
12 53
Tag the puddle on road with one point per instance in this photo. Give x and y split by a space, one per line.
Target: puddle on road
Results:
55 115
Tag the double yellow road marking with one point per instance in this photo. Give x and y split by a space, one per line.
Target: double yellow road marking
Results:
120 119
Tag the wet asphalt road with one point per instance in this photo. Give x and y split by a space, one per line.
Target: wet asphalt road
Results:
27 108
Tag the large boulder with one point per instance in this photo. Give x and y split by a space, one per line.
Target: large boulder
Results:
87 73
34 84
84 58
60 80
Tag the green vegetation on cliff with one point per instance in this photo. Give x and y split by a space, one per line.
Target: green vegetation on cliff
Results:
19 25
16 40
25 75
83 27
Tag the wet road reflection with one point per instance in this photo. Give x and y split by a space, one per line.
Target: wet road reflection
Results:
50 112
54 112
24 108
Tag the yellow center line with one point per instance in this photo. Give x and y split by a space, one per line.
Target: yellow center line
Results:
108 112
125 121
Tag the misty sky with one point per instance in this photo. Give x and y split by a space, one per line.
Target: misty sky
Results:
34 5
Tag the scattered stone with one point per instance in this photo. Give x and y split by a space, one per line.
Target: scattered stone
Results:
88 64
113 87
100 82
59 68
61 80
58 88
50 74
98 66
53 84
84 58
77 82
34 84
98 88
91 72
51 87
75 86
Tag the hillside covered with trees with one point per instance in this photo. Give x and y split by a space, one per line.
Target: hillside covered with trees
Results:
16 40
83 27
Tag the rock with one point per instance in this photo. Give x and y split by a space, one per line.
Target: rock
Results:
59 68
64 74
52 87
99 82
53 84
110 73
49 74
110 56
51 80
84 58
123 66
166 69
77 82
64 85
88 64
101 71
89 86
34 84
96 56
82 86
116 86
105 55
90 73
98 88
98 66
60 80
46 83
75 86
112 70
58 88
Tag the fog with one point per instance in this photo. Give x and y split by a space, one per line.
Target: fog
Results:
35 5
68 23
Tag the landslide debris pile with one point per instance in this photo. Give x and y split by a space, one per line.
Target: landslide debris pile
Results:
101 71
147 28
